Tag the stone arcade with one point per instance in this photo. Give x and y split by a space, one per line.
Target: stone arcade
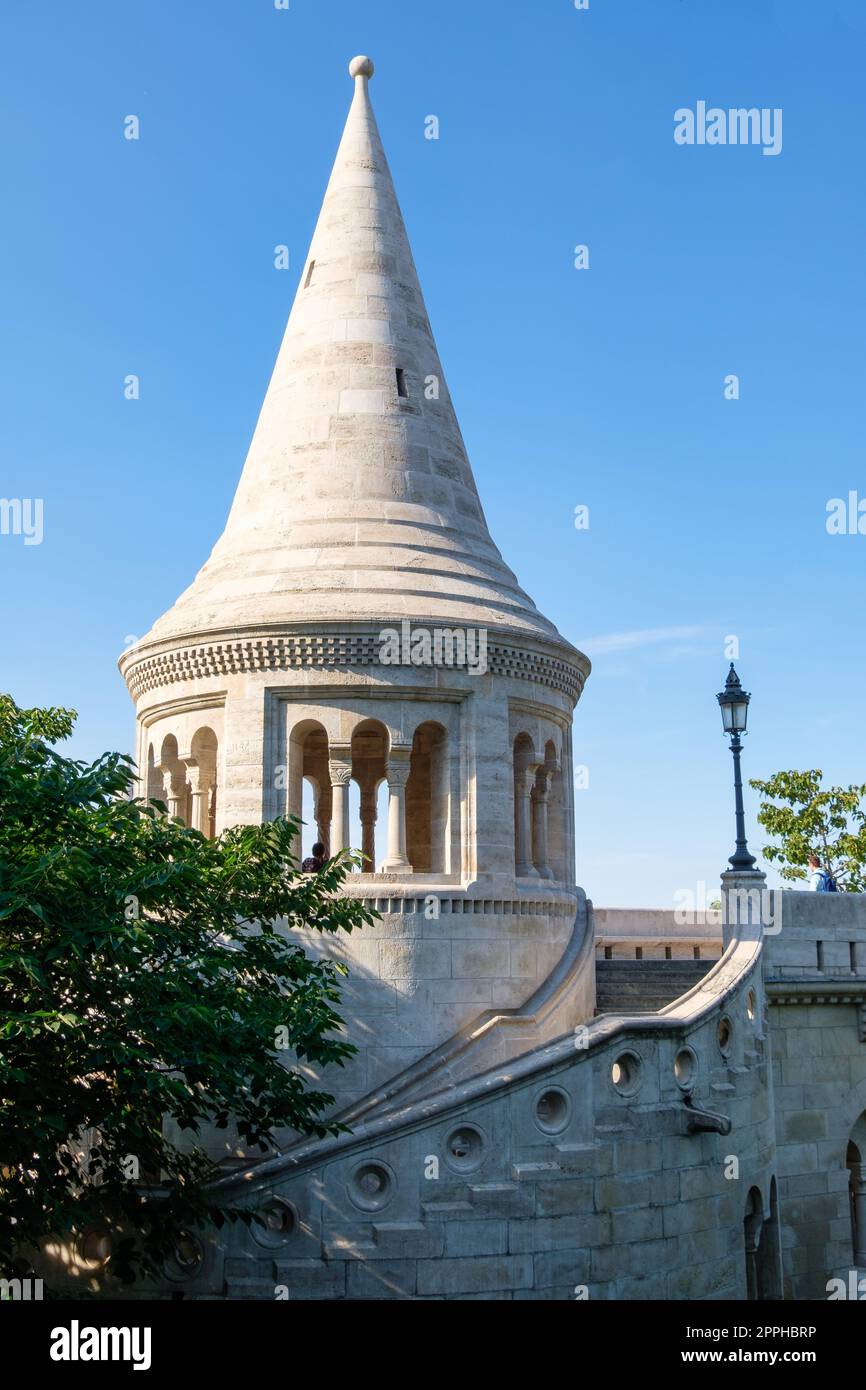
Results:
548 1101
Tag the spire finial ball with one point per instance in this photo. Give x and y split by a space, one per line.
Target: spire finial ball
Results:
361 67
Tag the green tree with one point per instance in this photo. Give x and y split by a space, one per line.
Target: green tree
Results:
146 974
808 819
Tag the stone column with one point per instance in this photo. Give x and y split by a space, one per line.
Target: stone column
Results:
368 829
398 776
323 813
745 902
858 1202
173 794
523 783
340 768
569 847
201 785
540 803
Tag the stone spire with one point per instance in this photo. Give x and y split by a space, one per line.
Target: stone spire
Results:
357 501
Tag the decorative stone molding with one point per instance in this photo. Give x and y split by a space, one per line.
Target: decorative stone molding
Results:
450 905
821 992
399 766
298 651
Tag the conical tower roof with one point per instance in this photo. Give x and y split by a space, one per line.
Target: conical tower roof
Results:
357 502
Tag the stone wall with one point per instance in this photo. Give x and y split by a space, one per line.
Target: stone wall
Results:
416 980
583 1169
652 933
701 1152
816 985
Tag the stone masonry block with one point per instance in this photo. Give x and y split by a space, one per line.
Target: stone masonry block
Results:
485 1274
382 1279
468 1238
489 958
561 1268
312 1278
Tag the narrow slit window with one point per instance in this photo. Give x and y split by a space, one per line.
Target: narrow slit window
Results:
401 382
309 279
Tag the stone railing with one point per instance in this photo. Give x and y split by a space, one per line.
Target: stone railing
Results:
654 934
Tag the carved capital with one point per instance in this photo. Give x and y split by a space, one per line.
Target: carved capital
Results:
541 789
171 778
524 781
199 780
398 768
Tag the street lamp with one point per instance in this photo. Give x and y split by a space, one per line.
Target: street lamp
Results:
734 704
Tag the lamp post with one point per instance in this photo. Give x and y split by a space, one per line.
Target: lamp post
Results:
734 704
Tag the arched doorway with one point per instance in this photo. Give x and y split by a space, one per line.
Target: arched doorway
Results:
857 1191
753 1222
770 1251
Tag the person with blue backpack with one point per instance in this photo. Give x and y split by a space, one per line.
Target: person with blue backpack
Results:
820 880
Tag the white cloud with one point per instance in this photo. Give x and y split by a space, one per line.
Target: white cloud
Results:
644 637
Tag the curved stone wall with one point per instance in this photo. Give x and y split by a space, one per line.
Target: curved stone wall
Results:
589 1167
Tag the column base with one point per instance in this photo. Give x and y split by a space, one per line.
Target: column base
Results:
397 866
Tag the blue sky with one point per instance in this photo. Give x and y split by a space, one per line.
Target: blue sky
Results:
602 387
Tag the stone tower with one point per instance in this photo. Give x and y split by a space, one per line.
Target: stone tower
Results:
356 622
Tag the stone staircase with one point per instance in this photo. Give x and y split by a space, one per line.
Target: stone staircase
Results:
644 986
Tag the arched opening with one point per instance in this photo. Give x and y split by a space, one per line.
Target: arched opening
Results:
542 812
857 1197
309 831
202 779
428 800
752 1223
168 751
153 789
176 792
381 838
355 829
525 767
309 793
769 1258
369 770
557 837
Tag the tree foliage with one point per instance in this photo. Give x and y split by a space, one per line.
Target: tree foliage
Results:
807 818
148 978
